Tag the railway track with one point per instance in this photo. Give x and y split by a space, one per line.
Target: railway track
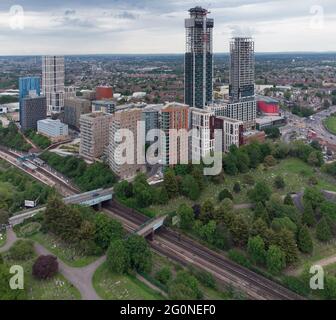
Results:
67 186
185 251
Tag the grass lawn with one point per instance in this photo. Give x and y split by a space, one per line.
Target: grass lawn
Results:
330 124
321 251
57 288
3 238
17 186
63 251
295 172
111 286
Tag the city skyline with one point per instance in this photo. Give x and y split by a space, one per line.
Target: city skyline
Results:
78 27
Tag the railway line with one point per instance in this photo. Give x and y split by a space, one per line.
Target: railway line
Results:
70 190
187 251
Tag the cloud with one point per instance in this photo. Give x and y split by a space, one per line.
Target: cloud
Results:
156 26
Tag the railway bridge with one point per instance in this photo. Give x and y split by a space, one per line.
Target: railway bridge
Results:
93 198
147 229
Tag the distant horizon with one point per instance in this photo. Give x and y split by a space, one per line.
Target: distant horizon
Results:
160 54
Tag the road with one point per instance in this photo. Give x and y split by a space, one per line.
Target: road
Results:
81 278
300 126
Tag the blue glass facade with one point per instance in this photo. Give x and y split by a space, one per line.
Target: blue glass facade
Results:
25 85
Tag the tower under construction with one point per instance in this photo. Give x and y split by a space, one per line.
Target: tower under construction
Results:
198 59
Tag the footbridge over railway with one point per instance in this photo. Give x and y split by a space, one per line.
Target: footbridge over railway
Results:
93 198
149 227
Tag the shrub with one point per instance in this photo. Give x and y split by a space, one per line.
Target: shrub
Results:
184 286
270 161
22 250
313 181
248 179
164 275
297 285
236 187
205 278
225 194
45 267
279 182
30 228
323 231
239 258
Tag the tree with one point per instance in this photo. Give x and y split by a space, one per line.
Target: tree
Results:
308 217
22 250
316 145
270 161
139 253
143 195
223 210
164 275
190 187
283 223
184 287
45 267
248 179
207 211
4 216
243 161
323 232
260 193
186 215
256 249
230 166
160 195
315 159
197 173
328 209
225 193
117 257
279 182
305 242
170 183
284 239
64 221
236 187
275 259
239 230
260 212
273 133
107 230
314 197
123 189
288 200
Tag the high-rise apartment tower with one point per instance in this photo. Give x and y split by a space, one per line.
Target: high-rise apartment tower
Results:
241 69
198 59
53 82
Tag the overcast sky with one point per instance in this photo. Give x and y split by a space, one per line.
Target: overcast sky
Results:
157 26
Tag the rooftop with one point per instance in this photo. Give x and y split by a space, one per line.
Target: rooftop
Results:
266 99
268 119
